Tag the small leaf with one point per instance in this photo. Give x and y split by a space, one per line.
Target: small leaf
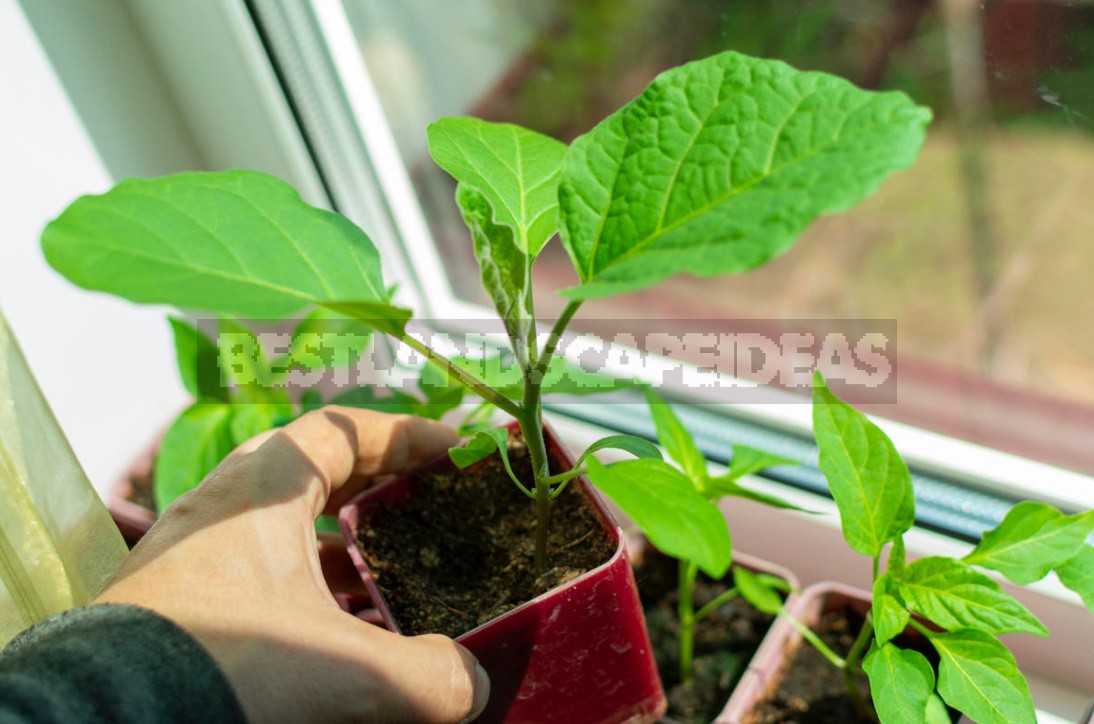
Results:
676 439
889 612
979 677
764 598
897 558
719 165
231 242
194 444
1077 573
326 339
378 315
868 479
505 269
198 362
481 446
954 596
637 446
514 169
901 683
664 504
749 461
716 488
243 361
1031 540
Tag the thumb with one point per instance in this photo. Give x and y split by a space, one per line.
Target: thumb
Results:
432 678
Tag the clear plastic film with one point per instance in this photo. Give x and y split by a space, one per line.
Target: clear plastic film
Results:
58 544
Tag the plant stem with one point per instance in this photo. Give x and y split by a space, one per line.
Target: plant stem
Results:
685 609
808 634
531 424
479 387
715 604
556 335
851 666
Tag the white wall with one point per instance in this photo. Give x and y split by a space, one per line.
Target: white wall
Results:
105 366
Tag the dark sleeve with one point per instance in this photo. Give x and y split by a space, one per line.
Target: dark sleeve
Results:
111 663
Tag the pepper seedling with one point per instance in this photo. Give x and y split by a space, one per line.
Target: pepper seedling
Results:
715 168
676 508
958 609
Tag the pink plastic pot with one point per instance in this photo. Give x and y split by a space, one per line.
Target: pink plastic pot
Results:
578 653
639 546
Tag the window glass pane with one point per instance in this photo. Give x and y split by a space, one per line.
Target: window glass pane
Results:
982 252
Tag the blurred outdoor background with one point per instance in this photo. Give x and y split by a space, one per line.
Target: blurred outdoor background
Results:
983 252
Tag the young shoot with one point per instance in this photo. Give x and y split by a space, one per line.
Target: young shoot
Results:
959 610
676 507
715 168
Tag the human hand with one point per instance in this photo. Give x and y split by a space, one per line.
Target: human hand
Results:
234 563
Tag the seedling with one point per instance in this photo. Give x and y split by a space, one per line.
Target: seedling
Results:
677 510
714 169
963 608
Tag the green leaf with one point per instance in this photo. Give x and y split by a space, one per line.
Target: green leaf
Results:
310 400
243 361
749 461
675 438
197 361
753 589
637 446
889 612
979 677
901 683
506 270
937 713
1077 573
368 397
719 165
954 596
250 420
194 444
1031 540
441 394
378 315
231 242
481 446
326 339
868 479
514 169
665 505
897 558
720 487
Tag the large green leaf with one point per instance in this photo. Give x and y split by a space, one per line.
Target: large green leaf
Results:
230 242
505 270
719 165
375 314
325 339
868 479
1033 539
665 505
194 444
979 677
954 595
513 169
1077 573
901 683
198 364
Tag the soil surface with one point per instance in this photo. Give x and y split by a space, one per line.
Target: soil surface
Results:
810 690
462 554
724 641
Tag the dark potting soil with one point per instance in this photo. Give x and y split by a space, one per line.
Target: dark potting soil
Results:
810 690
724 641
462 553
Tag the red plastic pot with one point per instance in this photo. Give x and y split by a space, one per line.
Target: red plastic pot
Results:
133 520
578 653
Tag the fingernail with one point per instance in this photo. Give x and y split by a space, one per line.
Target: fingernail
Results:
482 693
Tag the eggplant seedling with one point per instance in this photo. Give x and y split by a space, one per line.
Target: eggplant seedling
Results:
715 168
